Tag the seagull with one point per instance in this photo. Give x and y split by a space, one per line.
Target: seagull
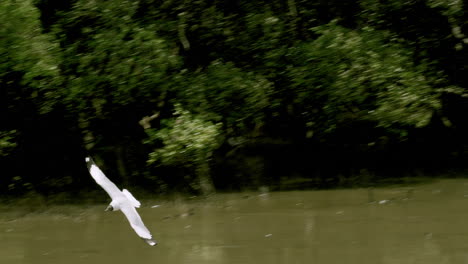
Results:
121 200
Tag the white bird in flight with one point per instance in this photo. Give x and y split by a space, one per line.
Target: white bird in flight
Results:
121 200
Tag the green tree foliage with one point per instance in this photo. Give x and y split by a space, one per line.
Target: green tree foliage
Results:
431 29
359 75
225 93
112 59
30 101
118 71
28 61
188 141
310 88
7 142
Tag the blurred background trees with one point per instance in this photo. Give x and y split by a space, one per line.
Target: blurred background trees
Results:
197 96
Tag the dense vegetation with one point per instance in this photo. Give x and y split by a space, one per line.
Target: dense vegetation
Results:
197 96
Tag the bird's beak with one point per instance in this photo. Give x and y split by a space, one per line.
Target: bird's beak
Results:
109 208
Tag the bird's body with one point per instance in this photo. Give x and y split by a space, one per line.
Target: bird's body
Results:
121 200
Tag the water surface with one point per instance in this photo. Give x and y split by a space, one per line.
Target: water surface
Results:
411 224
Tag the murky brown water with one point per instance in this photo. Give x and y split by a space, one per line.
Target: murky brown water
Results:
419 224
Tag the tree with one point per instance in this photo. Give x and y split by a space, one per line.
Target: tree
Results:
7 143
189 141
29 83
225 93
28 61
118 71
349 76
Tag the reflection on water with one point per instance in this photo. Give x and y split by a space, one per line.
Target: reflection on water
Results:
418 224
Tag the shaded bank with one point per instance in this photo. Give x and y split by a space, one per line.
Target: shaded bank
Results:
36 202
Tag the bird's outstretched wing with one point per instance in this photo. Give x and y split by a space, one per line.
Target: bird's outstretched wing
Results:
137 224
102 180
132 199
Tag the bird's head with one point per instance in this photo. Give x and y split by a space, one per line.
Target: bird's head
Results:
113 206
89 162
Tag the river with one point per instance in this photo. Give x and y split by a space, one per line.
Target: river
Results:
412 224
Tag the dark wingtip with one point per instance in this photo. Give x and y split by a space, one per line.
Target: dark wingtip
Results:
151 242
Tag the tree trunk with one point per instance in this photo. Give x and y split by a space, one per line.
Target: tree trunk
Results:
120 159
204 179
